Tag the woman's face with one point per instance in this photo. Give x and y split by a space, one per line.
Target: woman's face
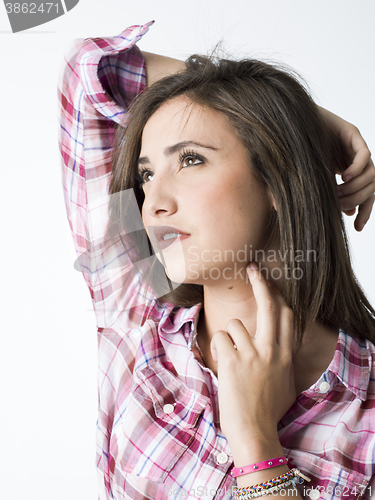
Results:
203 210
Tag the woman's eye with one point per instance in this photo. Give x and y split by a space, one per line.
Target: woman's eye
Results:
145 176
189 161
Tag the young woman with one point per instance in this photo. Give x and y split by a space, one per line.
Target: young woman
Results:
259 366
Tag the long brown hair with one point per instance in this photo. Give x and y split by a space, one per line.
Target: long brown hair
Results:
294 154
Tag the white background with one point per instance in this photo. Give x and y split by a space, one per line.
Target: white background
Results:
48 336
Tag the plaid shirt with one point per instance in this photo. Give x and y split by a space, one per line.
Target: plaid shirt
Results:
158 433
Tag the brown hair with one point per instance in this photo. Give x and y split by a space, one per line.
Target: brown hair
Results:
294 154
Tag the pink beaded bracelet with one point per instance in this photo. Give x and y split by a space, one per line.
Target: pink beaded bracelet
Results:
267 464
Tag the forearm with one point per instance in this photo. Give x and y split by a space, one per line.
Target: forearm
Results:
158 66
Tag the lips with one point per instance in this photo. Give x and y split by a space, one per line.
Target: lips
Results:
163 236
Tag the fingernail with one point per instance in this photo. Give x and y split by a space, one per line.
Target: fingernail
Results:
346 178
251 268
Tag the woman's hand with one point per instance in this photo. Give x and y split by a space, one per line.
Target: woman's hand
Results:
256 380
359 178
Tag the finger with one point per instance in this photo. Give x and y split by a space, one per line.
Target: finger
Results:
221 346
350 212
354 144
364 212
351 201
266 307
285 325
360 181
360 160
357 148
239 335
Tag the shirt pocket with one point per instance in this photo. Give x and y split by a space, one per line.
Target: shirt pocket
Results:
329 481
158 425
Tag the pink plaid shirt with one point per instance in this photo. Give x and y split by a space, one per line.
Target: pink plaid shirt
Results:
158 433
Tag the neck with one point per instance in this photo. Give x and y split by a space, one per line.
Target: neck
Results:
220 306
232 298
223 303
315 354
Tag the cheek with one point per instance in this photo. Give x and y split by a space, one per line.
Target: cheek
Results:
146 223
210 198
229 200
240 214
145 218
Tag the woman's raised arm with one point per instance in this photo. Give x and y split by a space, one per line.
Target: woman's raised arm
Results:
158 66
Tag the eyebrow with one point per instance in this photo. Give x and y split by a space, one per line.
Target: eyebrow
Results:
170 150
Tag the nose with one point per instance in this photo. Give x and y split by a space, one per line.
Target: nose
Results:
160 197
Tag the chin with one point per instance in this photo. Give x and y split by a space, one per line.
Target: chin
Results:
175 269
174 263
176 273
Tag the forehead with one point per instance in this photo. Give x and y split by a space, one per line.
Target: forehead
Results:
181 119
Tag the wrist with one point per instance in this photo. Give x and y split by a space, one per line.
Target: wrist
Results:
158 66
254 444
249 452
254 451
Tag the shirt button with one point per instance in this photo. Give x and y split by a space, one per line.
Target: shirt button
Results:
168 408
222 458
314 494
324 387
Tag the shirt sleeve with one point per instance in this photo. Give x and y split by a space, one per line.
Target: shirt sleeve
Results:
99 79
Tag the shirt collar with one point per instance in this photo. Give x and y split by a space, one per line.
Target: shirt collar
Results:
351 364
174 318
